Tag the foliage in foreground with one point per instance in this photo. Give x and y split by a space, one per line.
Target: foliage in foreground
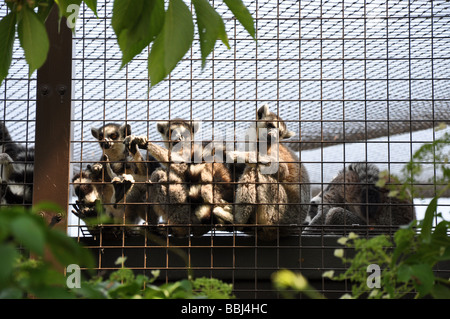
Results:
406 260
124 284
406 263
23 233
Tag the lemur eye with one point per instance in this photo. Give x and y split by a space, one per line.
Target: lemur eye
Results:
100 136
113 136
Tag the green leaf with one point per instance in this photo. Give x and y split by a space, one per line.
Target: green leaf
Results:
64 6
44 8
11 5
172 43
123 275
440 236
136 25
241 13
90 290
120 261
178 290
7 261
4 229
67 251
125 13
52 292
69 9
11 293
126 291
425 279
404 239
404 273
7 34
33 38
92 4
48 207
421 275
210 28
428 220
440 292
30 233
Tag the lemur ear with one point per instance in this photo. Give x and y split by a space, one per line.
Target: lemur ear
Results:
263 111
195 126
161 127
95 132
289 134
125 129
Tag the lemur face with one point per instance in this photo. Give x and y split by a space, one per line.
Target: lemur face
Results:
276 128
176 131
87 193
84 190
111 136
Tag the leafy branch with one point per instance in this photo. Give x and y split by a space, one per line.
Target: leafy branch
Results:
124 284
26 270
407 259
138 24
21 275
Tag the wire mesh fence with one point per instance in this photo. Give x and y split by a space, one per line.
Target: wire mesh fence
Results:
356 81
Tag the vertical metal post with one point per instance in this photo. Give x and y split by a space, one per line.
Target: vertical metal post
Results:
53 115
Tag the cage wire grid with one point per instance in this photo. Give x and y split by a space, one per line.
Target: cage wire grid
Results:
355 80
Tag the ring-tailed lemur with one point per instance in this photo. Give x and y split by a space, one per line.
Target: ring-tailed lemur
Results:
277 197
97 185
111 140
114 176
353 198
17 169
90 191
185 192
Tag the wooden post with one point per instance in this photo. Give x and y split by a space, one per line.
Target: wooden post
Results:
53 115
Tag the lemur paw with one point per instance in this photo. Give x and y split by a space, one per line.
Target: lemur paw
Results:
122 184
133 142
5 159
127 178
96 171
123 179
224 213
84 210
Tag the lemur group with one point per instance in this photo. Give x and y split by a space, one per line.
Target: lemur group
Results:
139 182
